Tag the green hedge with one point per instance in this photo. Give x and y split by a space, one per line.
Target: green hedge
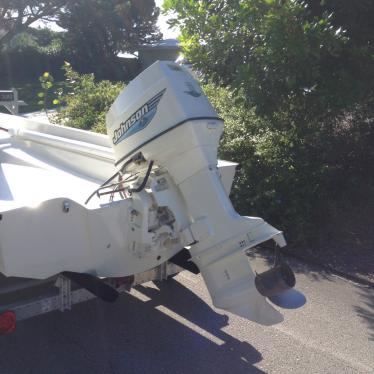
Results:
313 182
85 101
26 66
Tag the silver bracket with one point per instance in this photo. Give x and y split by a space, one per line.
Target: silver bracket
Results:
64 286
163 271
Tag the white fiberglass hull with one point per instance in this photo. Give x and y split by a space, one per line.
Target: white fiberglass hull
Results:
46 170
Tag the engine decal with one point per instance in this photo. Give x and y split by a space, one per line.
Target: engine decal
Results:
140 119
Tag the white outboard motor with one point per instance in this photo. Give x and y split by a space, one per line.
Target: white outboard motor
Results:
166 199
165 119
160 99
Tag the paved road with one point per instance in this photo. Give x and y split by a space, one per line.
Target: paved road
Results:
173 328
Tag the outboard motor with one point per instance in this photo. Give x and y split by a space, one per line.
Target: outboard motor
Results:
165 120
165 199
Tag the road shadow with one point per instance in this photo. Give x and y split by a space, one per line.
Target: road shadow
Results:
312 271
366 311
169 330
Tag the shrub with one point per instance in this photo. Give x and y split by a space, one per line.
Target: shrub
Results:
29 54
303 180
85 101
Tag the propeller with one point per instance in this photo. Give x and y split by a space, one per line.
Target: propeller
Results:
277 284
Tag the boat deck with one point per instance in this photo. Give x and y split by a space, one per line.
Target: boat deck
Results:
26 180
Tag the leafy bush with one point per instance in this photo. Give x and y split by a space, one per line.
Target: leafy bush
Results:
31 53
42 40
305 180
85 101
46 81
299 113
304 56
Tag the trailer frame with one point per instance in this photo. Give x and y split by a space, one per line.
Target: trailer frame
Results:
61 294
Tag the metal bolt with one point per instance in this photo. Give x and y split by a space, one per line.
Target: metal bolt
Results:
66 206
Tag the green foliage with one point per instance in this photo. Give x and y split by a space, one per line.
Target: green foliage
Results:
85 101
299 109
97 30
299 179
42 40
17 15
279 54
31 53
46 81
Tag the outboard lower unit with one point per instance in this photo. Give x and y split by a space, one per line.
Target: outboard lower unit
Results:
160 193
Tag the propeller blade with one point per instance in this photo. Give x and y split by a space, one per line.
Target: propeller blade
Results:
290 299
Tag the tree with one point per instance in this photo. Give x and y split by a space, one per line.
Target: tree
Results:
41 40
97 30
317 54
355 17
17 15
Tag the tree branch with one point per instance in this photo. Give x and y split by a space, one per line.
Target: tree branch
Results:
26 15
